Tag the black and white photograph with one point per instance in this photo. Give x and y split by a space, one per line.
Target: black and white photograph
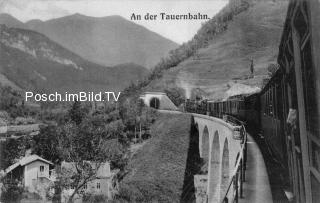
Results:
159 101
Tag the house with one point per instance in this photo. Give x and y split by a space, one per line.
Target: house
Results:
34 173
104 183
158 100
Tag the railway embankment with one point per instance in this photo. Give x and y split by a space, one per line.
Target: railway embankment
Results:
156 172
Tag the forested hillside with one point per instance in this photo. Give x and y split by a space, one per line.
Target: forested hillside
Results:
222 51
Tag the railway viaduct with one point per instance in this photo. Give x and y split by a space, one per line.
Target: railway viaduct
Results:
221 152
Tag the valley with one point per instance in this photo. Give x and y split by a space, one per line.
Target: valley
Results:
34 62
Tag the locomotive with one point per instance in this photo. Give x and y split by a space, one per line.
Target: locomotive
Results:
287 110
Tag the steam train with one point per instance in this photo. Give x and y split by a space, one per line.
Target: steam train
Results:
287 110
261 112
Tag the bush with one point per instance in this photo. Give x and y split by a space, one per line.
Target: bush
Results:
11 192
90 198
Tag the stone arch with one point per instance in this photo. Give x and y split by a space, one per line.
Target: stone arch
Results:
214 166
225 172
195 130
196 126
155 102
205 144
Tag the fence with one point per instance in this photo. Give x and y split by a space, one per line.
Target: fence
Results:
238 176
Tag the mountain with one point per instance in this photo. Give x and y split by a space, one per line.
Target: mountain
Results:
10 21
241 32
108 40
34 62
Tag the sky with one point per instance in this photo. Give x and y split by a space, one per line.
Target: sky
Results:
178 31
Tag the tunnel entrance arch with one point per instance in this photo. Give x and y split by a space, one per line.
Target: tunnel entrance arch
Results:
155 102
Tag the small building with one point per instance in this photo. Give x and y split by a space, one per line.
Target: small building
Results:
34 173
158 100
105 182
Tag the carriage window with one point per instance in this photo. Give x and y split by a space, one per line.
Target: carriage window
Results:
266 103
275 113
280 101
269 102
272 102
300 23
309 90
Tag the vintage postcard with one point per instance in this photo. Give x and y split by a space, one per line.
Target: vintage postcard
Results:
205 101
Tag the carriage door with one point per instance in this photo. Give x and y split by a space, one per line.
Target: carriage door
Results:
307 104
293 141
294 146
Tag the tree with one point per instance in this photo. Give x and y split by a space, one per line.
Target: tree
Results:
45 144
129 112
11 150
251 68
12 102
76 113
131 115
86 147
76 147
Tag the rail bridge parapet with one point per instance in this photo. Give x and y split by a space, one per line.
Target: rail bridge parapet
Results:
222 147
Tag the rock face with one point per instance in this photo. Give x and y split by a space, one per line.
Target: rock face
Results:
34 62
108 40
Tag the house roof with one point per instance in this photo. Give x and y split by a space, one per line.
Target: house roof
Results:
27 160
103 170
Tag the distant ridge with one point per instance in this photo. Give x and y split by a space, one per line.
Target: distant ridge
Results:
33 62
10 20
107 40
